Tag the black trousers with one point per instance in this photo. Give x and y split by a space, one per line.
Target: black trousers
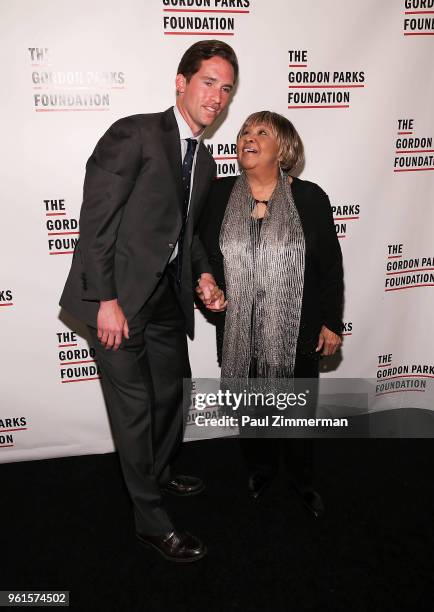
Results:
143 389
264 454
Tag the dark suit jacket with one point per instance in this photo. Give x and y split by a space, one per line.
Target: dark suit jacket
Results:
323 277
131 218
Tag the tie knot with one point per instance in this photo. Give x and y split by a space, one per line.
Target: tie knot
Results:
191 145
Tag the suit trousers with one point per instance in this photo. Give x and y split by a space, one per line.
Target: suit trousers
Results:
142 384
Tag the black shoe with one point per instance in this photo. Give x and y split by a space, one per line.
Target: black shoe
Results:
311 500
184 485
257 483
176 546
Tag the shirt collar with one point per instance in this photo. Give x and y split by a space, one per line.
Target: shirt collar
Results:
184 128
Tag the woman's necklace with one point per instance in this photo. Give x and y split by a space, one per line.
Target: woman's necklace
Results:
260 209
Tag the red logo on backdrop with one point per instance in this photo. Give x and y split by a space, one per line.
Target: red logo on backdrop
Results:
407 272
344 215
418 17
203 17
347 328
9 428
395 377
56 89
6 297
62 230
77 361
225 156
412 153
315 89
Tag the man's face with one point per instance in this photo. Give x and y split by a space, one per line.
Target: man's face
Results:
206 95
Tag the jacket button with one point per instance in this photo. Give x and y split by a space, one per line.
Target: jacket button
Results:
158 275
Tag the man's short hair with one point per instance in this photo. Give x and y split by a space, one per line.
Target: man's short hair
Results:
204 50
291 151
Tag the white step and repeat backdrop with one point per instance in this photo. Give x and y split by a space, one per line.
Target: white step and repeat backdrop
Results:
355 77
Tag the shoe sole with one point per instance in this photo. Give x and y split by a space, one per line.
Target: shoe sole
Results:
149 545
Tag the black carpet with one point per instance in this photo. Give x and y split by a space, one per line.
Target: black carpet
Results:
67 524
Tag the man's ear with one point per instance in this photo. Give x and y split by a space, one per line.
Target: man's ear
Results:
180 83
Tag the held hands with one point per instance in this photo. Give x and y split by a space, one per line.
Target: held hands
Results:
328 341
112 324
210 294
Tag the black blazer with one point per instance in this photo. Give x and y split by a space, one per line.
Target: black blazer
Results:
131 217
323 276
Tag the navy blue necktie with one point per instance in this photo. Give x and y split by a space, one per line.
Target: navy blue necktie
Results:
187 167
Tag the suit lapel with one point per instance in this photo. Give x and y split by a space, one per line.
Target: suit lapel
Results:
172 145
203 170
201 176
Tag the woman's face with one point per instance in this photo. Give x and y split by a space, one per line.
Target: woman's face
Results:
257 148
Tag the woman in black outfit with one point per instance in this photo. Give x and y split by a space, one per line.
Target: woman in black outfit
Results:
273 248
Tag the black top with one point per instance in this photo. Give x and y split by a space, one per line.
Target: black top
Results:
323 276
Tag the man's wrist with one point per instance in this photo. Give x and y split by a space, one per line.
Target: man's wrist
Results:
206 276
108 303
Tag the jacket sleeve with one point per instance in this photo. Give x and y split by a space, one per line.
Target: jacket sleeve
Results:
330 265
210 225
199 256
111 172
209 232
199 259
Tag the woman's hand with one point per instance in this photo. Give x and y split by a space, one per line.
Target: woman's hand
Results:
328 341
219 303
216 298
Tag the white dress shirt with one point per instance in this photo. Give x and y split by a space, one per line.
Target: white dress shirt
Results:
184 133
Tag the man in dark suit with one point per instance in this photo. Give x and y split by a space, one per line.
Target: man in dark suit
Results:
132 279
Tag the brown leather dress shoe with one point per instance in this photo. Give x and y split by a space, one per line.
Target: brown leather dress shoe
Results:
176 546
184 485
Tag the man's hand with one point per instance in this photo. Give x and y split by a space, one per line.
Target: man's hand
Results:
112 324
219 303
210 294
328 341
